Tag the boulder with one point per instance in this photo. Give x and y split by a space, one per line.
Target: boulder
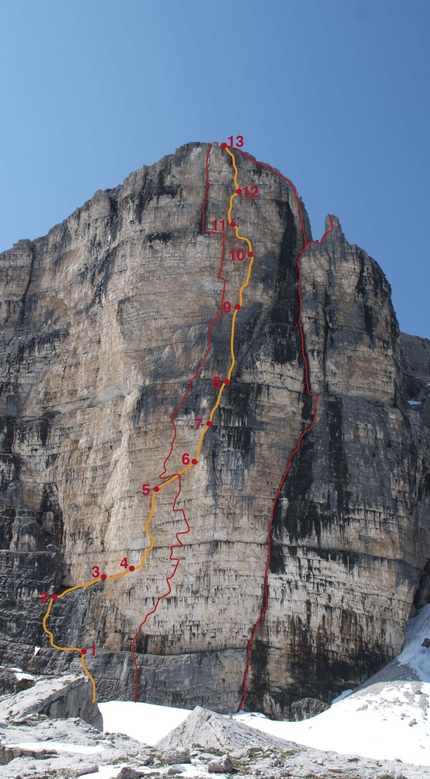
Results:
213 732
222 765
62 697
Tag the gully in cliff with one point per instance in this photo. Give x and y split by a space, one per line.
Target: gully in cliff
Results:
230 306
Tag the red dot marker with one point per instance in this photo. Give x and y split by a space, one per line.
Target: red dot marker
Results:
208 423
238 191
83 651
223 146
250 254
103 577
237 306
54 596
131 568
194 461
156 489
232 224
226 381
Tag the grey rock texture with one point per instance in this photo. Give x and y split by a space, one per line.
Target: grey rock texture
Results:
10 683
416 367
217 739
63 697
39 756
134 759
211 731
307 707
43 747
104 322
129 773
223 765
176 756
392 672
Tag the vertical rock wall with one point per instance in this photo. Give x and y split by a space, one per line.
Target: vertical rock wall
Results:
104 322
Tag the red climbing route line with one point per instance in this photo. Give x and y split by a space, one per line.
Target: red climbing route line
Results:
169 578
166 479
218 316
311 394
172 418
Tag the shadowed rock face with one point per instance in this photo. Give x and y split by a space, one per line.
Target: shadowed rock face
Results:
104 322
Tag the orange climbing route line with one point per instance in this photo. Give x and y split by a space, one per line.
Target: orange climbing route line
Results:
172 420
215 319
69 648
169 578
90 584
220 393
166 480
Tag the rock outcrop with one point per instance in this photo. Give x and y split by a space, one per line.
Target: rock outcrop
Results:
211 731
62 697
104 323
40 747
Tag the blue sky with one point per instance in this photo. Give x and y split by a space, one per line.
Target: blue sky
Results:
333 93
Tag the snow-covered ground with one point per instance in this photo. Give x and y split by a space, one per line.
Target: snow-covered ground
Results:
388 720
388 723
144 722
19 673
104 772
385 721
414 654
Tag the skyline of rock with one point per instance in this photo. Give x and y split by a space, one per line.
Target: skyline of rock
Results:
105 321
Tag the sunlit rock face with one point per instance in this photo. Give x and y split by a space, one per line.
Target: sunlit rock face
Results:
104 322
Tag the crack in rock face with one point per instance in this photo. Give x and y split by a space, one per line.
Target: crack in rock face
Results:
104 321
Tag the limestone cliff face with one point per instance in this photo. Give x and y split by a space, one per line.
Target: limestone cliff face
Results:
104 323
